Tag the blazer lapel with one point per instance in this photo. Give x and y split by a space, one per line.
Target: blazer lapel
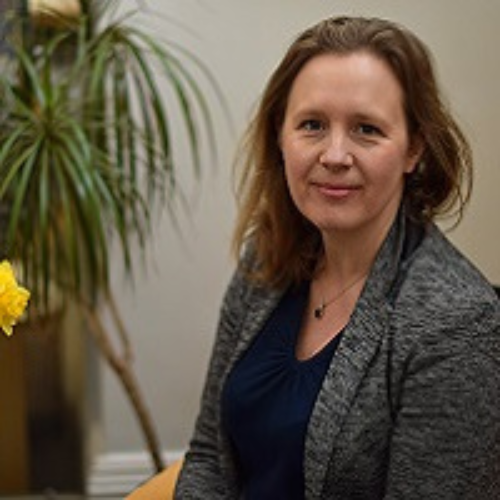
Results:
260 305
360 341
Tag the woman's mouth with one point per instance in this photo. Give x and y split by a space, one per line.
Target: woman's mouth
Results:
336 191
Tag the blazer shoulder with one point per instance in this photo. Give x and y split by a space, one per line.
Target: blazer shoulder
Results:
439 273
440 289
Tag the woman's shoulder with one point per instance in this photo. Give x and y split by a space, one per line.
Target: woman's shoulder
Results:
439 273
441 289
243 286
245 296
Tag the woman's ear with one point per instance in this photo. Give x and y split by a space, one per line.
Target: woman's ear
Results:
415 152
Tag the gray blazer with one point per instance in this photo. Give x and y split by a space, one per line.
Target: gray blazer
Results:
410 406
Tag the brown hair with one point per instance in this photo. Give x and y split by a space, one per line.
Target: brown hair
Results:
286 245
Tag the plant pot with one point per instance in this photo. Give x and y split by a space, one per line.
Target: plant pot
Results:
14 456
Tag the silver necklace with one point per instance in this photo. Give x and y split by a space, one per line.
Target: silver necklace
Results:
319 311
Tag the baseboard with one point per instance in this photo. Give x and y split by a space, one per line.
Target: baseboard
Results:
117 474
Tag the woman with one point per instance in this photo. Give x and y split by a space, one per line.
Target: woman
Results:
358 352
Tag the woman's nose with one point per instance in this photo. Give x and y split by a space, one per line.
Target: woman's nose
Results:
337 151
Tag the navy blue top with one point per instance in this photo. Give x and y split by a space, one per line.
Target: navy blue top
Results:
267 402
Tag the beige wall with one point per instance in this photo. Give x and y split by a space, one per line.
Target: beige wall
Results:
172 313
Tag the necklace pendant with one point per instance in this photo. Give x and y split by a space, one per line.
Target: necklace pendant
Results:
319 311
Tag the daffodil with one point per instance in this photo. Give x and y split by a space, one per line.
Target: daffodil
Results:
13 298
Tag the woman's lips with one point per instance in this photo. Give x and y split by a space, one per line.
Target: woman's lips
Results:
337 191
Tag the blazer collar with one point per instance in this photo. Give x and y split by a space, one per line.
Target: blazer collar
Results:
360 342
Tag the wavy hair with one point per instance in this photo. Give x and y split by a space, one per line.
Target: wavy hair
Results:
285 244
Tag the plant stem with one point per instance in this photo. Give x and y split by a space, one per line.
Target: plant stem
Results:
123 368
120 326
86 8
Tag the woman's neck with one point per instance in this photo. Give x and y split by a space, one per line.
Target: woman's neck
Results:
347 256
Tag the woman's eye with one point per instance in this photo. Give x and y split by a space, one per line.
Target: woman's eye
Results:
312 125
367 129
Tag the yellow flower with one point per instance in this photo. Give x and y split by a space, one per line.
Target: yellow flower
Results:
13 298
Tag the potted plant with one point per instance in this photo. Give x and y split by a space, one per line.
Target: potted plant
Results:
86 154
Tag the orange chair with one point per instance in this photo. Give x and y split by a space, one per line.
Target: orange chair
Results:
159 487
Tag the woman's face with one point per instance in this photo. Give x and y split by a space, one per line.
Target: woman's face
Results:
345 144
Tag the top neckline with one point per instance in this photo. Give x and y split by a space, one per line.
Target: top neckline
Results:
300 296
